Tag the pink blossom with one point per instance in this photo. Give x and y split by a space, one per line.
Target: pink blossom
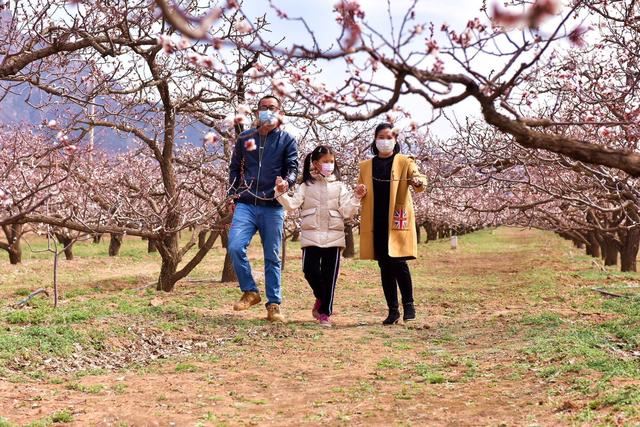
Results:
210 138
605 132
279 87
250 144
244 109
184 43
52 124
542 10
240 119
62 137
418 29
506 19
576 36
207 61
232 4
432 47
70 149
243 27
438 66
5 198
167 44
349 11
193 58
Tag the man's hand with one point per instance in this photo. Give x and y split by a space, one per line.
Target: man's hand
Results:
416 182
282 186
360 191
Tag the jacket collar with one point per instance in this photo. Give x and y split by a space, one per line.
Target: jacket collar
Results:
320 177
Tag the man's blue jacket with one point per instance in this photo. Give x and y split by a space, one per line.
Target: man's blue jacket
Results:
255 166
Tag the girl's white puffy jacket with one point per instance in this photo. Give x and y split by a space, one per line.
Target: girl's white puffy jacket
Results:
325 204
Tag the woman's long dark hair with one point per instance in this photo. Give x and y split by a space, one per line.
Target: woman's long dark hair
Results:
381 127
318 152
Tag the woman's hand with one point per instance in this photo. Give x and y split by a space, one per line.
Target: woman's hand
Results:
282 186
416 182
360 191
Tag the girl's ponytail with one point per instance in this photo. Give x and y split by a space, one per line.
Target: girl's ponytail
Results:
306 170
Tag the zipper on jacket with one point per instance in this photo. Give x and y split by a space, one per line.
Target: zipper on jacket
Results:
260 151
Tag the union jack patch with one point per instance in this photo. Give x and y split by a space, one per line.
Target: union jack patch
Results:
400 219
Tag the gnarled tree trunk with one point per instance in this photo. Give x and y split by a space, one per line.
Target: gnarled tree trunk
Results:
228 273
66 241
593 247
13 233
115 243
629 249
610 249
349 249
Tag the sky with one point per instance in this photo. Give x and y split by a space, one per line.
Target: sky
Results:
320 17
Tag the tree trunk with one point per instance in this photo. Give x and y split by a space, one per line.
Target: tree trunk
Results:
13 233
593 247
152 246
418 231
609 249
432 234
114 244
171 254
202 237
67 243
97 238
349 249
629 250
228 273
167 281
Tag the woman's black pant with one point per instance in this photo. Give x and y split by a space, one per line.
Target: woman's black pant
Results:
321 267
395 274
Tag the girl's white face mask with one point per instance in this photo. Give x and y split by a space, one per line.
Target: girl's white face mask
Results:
326 169
385 145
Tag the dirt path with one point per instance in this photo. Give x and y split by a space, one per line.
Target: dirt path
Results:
461 363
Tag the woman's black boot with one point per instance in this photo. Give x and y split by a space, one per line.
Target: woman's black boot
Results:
393 317
408 312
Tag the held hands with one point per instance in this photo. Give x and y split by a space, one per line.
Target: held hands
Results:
282 186
416 182
360 191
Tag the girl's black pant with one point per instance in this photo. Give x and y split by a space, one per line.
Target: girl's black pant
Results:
321 267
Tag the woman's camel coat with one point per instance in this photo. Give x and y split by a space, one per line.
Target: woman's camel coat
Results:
403 240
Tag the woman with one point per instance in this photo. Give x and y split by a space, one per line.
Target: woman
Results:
387 223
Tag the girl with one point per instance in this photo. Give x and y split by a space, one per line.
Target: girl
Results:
325 203
387 221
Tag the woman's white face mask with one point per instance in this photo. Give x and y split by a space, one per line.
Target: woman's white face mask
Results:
385 145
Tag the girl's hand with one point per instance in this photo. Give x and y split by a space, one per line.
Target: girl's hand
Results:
360 191
416 182
282 186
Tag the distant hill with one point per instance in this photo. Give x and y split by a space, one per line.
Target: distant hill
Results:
17 107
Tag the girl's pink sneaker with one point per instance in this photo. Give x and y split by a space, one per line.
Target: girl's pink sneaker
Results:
314 311
324 320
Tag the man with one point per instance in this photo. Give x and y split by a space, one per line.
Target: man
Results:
260 156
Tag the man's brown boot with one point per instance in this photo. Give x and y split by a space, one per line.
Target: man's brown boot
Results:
246 301
273 313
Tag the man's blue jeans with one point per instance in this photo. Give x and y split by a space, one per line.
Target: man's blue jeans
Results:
268 221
